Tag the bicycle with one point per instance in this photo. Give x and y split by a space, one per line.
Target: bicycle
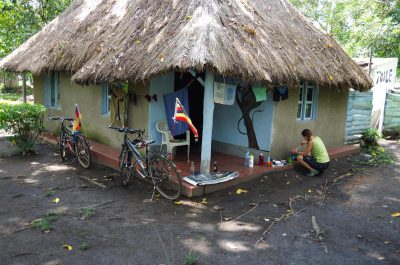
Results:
73 142
157 167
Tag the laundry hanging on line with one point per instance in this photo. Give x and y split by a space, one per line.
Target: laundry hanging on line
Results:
279 93
260 93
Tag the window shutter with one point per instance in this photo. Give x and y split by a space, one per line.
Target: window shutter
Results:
47 90
56 89
104 98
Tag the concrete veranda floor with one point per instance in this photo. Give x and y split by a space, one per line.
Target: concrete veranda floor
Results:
127 228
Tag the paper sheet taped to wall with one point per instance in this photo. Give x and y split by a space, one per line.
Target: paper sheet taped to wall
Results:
224 93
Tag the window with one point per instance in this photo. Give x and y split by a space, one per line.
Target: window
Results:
52 95
105 100
306 106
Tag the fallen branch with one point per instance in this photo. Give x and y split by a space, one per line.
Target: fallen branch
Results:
254 207
94 205
292 212
315 226
342 176
23 254
264 234
93 182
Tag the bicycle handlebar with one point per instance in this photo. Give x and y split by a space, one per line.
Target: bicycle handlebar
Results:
62 118
127 130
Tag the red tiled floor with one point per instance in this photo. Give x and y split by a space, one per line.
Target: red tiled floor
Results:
108 156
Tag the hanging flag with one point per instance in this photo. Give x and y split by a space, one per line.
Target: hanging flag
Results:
77 119
181 115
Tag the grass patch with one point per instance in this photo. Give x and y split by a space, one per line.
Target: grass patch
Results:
191 259
45 223
49 193
377 156
10 96
83 247
87 212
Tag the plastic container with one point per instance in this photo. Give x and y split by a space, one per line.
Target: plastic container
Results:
192 168
251 161
261 159
247 158
269 162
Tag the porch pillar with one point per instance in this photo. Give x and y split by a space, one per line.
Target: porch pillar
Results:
208 117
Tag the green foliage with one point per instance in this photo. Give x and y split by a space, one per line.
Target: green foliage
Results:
49 193
377 156
358 25
83 246
87 212
10 96
21 19
370 138
191 259
24 121
45 223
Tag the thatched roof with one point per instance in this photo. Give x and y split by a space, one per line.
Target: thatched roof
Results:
257 40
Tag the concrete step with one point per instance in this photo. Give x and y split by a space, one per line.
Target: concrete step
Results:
108 156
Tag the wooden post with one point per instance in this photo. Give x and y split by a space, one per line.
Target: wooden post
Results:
208 118
24 86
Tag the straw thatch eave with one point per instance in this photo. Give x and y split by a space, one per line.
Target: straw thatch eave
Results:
256 40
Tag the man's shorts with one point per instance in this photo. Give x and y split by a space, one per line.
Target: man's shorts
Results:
314 164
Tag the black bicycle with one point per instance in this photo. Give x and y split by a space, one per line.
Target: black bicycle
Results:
74 143
158 168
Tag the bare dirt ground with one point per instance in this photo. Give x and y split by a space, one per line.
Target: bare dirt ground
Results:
270 224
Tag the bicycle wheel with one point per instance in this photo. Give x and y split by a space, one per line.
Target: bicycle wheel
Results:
62 146
125 168
165 177
82 151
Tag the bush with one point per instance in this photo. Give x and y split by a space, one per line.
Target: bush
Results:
24 121
370 138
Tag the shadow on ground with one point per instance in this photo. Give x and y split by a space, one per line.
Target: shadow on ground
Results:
269 224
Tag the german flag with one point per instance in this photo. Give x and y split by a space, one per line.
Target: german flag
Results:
77 119
181 115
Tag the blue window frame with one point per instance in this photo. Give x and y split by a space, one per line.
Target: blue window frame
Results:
307 104
105 99
51 87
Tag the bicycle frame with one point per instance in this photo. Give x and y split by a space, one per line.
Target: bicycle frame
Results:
138 157
70 135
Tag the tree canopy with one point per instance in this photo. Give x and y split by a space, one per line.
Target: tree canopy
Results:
20 19
358 25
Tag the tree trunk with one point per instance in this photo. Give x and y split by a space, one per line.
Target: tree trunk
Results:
24 86
251 134
247 102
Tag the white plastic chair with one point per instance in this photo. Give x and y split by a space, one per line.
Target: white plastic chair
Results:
169 141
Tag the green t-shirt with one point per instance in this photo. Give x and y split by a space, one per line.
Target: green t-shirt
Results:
319 151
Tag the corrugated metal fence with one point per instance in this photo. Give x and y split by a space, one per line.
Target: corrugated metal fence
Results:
358 115
392 111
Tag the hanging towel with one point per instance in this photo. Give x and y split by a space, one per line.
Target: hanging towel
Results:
260 93
169 104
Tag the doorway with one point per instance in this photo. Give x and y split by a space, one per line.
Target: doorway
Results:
196 101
